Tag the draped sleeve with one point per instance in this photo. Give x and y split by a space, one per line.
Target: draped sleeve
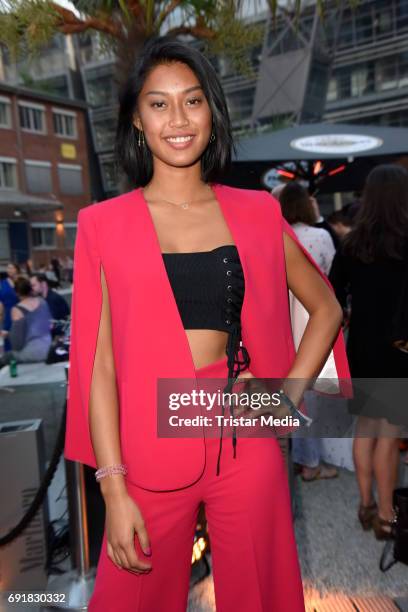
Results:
337 363
85 318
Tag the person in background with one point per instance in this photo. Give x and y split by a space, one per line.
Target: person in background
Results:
28 267
30 334
340 223
299 211
68 267
8 299
56 268
372 267
49 273
351 209
13 270
277 190
322 223
58 306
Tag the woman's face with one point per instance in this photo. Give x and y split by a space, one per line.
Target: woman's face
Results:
174 115
11 269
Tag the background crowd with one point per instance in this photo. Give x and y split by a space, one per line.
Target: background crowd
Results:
32 311
364 252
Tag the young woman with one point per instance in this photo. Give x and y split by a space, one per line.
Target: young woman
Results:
206 298
372 268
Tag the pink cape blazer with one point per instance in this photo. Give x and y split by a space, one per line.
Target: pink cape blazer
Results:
149 340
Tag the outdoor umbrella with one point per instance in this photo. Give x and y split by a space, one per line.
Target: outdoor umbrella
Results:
329 157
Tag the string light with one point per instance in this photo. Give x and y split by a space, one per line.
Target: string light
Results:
337 170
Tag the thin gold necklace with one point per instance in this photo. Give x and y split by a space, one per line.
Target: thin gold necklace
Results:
183 205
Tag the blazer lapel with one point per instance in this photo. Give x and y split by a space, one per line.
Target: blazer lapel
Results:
157 284
169 326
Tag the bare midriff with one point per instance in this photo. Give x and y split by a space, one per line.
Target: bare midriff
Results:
206 345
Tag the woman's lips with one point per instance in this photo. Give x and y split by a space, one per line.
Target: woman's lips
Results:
180 142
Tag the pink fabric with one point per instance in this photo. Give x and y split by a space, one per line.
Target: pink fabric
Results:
149 341
255 565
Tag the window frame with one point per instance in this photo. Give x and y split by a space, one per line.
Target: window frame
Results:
7 102
70 225
65 113
33 106
39 164
44 225
63 166
12 161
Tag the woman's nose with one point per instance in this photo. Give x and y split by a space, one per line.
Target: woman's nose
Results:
178 116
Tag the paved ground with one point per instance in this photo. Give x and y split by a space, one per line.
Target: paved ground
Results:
339 560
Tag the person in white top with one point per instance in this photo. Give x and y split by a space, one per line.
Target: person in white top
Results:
298 210
318 242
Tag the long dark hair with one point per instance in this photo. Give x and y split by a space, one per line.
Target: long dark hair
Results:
137 162
22 286
296 205
381 224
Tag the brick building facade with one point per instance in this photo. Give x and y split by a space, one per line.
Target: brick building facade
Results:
44 174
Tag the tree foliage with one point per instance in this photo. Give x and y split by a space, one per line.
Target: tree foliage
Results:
27 25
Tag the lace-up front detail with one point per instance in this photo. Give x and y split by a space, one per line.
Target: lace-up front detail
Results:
209 289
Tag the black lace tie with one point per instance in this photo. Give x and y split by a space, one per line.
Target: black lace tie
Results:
235 367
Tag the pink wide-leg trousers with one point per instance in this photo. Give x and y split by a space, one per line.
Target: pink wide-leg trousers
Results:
254 555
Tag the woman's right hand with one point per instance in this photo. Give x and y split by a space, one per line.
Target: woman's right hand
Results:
123 520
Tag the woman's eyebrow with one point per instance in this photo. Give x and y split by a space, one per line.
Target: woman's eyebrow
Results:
163 93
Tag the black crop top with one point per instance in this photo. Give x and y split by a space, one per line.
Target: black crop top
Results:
209 290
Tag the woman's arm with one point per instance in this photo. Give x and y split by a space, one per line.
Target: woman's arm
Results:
325 315
103 402
123 516
17 333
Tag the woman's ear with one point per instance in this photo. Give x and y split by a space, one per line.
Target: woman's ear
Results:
137 123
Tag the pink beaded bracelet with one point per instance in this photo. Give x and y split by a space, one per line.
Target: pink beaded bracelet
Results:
119 468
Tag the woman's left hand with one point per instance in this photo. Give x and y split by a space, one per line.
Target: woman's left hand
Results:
240 387
260 387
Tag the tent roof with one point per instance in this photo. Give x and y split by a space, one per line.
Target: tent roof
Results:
27 202
323 141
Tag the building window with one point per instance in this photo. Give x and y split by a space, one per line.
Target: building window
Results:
386 74
70 234
32 117
43 235
70 179
359 79
65 123
332 90
5 112
38 176
403 69
8 173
